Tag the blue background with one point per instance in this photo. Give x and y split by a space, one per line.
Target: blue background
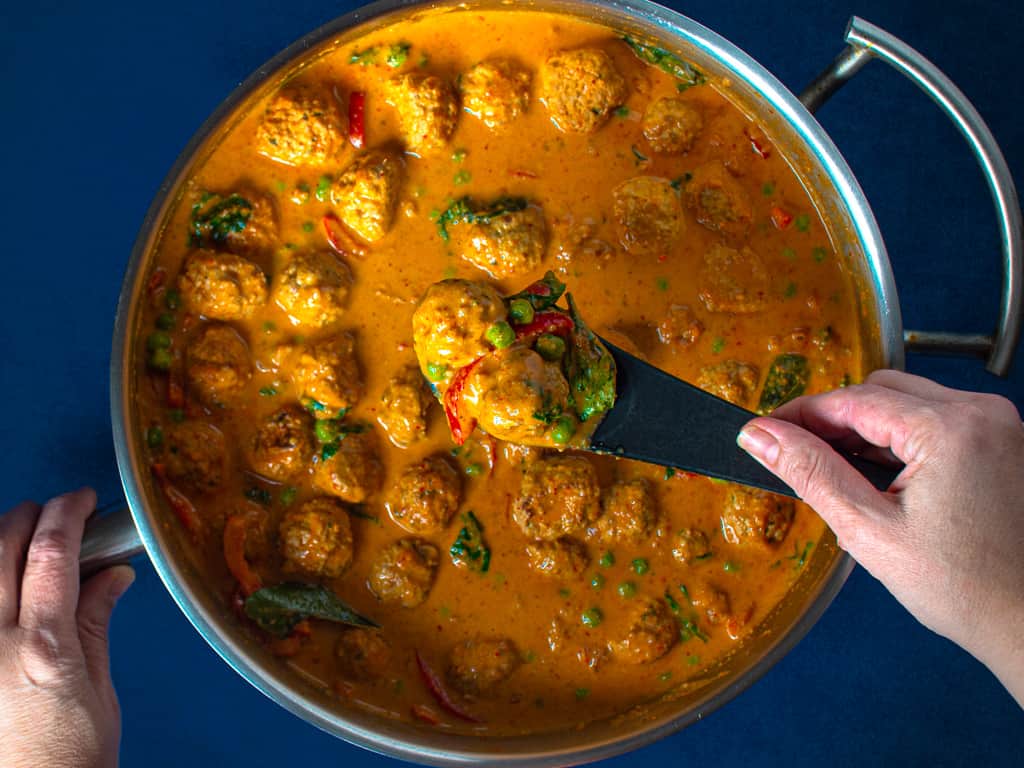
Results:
100 98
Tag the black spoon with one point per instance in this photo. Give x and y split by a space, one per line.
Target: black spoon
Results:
660 419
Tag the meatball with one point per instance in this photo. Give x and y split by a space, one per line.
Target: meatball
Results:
217 363
404 572
478 665
752 516
427 110
680 327
580 88
733 281
713 602
671 125
495 91
730 380
312 288
558 496
628 513
652 633
718 201
328 373
316 538
516 395
282 445
222 286
691 545
426 496
195 456
366 194
563 558
363 654
648 215
242 222
300 126
507 245
450 324
403 407
354 472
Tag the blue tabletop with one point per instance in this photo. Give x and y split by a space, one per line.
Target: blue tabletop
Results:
102 96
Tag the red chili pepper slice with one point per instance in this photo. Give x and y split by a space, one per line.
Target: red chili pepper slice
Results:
460 425
332 228
546 322
184 509
235 531
433 683
540 288
357 119
156 280
781 218
760 146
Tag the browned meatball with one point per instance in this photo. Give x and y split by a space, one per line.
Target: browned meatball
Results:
580 88
316 538
563 558
495 91
242 222
752 516
403 407
718 201
680 327
282 445
312 288
712 602
691 545
730 380
327 373
450 324
222 286
403 573
516 395
354 472
628 513
477 666
733 281
301 126
427 110
195 456
426 496
507 245
366 194
363 654
558 496
218 363
648 215
652 633
671 125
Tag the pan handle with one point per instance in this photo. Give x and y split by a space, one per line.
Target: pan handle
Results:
109 539
865 41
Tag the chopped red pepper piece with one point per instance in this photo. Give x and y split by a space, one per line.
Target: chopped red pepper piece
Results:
289 646
184 509
175 390
434 685
545 322
357 118
156 280
460 425
781 218
760 144
235 531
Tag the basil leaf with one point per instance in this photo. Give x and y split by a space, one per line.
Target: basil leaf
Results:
590 368
542 294
469 548
279 608
687 74
465 211
787 379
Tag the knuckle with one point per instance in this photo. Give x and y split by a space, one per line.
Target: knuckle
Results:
806 470
49 546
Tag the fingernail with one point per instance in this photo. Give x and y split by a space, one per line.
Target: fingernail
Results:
760 444
125 578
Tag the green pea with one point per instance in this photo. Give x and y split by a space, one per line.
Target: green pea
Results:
550 347
597 581
474 470
166 321
627 589
161 359
641 566
288 495
436 371
563 429
521 311
154 437
177 415
158 340
500 335
326 430
172 299
592 617
607 560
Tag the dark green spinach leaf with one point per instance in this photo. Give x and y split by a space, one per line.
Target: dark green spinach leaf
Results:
687 74
590 369
787 379
279 608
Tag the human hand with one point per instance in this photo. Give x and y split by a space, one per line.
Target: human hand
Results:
948 538
57 702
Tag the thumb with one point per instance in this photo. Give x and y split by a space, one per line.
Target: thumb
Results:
849 504
95 605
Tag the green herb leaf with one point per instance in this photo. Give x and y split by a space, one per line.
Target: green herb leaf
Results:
640 157
214 217
469 548
590 368
279 608
687 74
363 58
465 211
542 294
787 379
397 54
